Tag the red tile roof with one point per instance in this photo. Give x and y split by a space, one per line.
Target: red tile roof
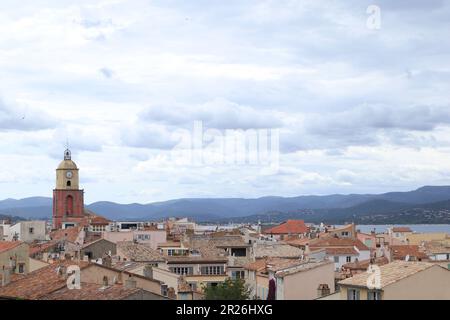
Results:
69 234
91 291
8 245
289 227
338 242
364 264
42 247
38 283
400 252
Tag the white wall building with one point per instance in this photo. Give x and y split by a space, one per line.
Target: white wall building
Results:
28 231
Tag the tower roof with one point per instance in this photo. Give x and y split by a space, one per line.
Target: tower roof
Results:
67 163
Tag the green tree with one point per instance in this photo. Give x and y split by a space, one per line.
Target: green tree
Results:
228 290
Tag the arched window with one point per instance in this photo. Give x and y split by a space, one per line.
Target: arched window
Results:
69 183
69 205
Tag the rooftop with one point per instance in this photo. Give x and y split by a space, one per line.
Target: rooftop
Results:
8 245
39 283
139 252
400 252
390 273
91 291
69 234
289 227
338 242
279 250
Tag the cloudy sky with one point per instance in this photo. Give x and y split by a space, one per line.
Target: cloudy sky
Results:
357 109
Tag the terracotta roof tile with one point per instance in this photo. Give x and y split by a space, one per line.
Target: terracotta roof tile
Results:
401 251
69 234
280 250
139 252
90 291
289 227
38 283
8 245
390 273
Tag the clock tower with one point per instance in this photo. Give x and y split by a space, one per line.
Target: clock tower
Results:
68 199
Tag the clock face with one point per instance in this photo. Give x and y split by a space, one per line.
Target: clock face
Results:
69 174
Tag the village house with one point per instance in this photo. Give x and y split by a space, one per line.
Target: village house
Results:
199 271
399 280
136 252
289 275
288 229
407 252
341 250
348 231
173 248
97 283
28 231
98 249
14 258
148 237
399 235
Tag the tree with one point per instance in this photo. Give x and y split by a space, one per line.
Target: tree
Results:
228 290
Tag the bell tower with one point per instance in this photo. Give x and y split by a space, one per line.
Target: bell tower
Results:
68 198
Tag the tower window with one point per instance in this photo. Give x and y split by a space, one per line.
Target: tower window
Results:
69 183
69 204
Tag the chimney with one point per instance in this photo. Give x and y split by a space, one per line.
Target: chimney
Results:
105 281
6 276
148 271
307 250
62 272
130 283
107 261
323 290
171 293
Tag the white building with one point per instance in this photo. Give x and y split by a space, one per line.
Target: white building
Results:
28 231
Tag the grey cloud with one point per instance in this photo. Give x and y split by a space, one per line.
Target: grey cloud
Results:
23 119
216 114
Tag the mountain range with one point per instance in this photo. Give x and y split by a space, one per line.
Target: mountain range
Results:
430 204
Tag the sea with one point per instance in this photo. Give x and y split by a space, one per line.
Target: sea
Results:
419 228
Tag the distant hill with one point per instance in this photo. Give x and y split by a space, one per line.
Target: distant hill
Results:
402 207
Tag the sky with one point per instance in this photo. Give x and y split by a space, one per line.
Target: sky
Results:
356 100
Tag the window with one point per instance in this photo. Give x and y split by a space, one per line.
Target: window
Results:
374 295
448 256
182 270
353 294
143 237
349 259
212 270
21 267
239 252
238 274
69 183
345 234
164 290
31 230
336 259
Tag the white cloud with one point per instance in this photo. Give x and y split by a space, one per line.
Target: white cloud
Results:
358 110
